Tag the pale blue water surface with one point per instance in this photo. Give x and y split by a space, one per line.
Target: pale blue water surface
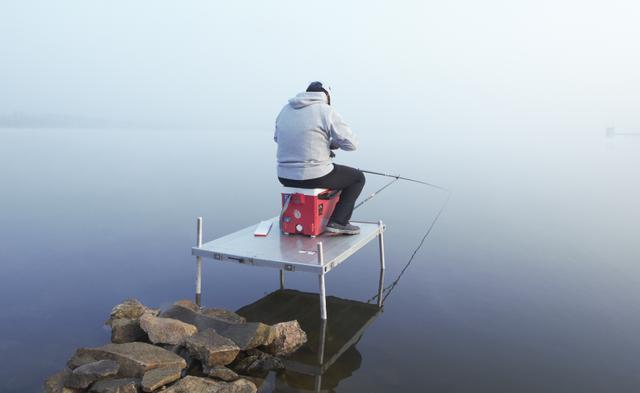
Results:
528 282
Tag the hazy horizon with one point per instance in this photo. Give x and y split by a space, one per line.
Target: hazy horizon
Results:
490 67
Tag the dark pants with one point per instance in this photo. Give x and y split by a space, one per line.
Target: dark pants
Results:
347 179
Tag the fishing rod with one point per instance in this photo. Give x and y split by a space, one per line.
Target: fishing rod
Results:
395 178
405 178
374 194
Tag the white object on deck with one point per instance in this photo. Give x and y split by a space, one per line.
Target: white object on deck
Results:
317 255
263 228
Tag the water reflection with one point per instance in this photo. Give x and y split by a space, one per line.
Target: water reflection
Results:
330 354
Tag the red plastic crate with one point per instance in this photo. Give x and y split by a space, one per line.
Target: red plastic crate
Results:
308 210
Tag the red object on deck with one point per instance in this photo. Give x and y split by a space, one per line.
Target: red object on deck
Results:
307 210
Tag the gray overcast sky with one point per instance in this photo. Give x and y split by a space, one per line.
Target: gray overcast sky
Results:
391 64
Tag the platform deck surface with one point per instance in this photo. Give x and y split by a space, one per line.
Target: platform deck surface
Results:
288 252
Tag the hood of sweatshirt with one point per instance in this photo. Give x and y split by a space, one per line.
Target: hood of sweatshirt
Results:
308 98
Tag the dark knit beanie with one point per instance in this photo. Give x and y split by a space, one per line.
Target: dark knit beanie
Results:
317 87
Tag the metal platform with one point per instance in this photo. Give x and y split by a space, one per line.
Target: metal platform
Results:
289 253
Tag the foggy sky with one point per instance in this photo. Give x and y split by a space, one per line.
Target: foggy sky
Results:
399 66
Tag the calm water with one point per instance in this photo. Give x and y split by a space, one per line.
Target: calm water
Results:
528 282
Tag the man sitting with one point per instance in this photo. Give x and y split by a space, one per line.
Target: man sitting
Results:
307 129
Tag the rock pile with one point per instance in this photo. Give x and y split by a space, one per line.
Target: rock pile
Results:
181 350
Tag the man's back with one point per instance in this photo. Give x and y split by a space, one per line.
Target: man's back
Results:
305 129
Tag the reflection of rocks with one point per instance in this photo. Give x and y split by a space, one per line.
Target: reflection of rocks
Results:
211 348
192 347
166 330
83 376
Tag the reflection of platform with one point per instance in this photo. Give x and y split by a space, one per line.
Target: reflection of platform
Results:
327 341
287 252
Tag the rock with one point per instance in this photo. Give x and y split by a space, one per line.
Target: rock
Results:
220 372
130 309
166 330
188 304
125 330
158 377
134 358
223 315
85 375
179 350
122 385
249 335
191 384
288 337
211 348
55 383
185 312
257 364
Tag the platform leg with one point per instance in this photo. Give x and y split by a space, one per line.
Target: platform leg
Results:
382 263
199 264
323 338
381 244
281 279
380 287
323 297
318 383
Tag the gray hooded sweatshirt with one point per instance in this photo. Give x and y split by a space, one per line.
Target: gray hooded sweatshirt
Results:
306 130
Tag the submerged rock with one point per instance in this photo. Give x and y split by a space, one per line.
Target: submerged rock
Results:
158 377
249 335
288 337
220 372
134 358
122 385
191 384
166 330
85 375
211 348
124 330
55 383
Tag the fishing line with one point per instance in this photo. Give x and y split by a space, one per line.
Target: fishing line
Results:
387 291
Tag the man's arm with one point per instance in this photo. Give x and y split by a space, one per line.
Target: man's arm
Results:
341 135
